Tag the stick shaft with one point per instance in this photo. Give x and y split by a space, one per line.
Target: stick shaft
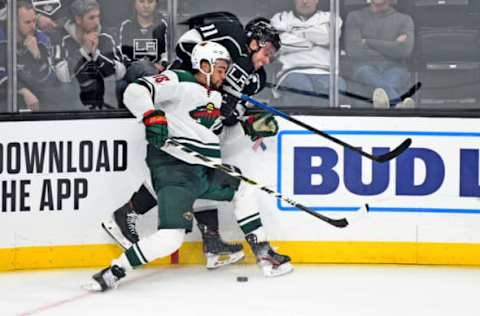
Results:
210 163
382 158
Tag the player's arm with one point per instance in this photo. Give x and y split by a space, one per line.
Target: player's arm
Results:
139 98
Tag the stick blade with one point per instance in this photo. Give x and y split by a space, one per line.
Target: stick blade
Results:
396 152
340 223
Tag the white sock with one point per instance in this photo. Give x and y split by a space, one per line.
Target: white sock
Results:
160 244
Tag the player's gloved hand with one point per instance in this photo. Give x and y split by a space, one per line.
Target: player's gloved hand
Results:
260 125
156 127
231 109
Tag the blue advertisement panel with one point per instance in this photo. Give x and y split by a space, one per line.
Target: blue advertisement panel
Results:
439 173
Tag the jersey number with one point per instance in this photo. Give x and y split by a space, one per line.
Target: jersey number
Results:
160 78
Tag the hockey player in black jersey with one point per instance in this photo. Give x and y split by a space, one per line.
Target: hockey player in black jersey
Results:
251 48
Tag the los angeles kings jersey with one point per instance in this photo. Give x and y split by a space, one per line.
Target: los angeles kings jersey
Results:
229 33
190 108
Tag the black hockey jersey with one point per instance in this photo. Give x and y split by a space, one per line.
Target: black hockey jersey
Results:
229 32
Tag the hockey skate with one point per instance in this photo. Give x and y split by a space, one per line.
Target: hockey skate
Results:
272 263
121 226
218 252
106 279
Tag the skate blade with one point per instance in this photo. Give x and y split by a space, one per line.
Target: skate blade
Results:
269 271
217 261
114 232
92 287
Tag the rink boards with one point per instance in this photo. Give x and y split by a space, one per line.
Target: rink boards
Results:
59 179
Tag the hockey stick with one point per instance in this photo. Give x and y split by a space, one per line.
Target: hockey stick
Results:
340 223
413 89
380 158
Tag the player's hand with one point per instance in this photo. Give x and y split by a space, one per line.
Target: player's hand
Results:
260 125
156 127
230 110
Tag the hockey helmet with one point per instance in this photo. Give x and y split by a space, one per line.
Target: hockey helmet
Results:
261 30
210 52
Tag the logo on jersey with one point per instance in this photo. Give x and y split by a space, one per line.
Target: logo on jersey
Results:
47 7
205 115
145 48
237 77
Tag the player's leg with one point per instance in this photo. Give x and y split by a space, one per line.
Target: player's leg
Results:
217 252
248 217
177 185
160 244
121 226
250 222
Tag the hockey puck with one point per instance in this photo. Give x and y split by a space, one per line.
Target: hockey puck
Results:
242 279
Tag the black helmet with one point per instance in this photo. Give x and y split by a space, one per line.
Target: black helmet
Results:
261 30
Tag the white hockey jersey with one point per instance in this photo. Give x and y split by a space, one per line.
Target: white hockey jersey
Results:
190 108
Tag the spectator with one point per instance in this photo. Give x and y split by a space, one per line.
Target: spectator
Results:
145 35
143 40
34 68
52 16
305 53
88 54
379 41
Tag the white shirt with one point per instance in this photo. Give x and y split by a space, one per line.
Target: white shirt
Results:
305 42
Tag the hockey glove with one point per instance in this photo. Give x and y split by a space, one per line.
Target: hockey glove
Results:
156 127
260 125
231 109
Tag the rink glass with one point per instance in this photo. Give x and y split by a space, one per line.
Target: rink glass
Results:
445 57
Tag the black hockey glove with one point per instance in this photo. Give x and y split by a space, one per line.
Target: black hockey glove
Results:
231 110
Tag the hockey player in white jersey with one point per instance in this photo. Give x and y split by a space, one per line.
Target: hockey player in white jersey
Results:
247 74
169 104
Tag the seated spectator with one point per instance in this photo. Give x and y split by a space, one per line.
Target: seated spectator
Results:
52 16
34 69
305 53
143 39
88 54
379 40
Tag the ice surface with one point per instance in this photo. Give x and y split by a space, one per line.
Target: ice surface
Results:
330 290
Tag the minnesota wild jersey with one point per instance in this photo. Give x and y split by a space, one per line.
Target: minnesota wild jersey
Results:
190 108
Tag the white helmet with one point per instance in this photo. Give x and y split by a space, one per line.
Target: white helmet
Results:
209 51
